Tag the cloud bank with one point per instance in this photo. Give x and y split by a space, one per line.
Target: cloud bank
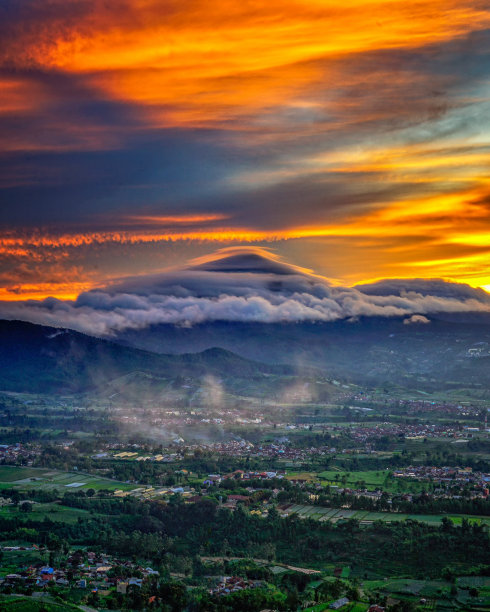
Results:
243 285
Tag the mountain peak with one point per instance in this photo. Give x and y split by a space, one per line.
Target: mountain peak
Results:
248 260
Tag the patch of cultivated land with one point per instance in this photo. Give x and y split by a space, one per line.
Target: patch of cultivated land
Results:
370 479
340 514
38 478
11 473
30 604
53 511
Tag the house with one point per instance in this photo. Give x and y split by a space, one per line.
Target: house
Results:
339 603
212 479
299 481
239 498
376 608
195 499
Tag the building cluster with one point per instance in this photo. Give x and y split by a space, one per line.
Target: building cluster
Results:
214 479
164 458
17 454
174 419
232 448
364 433
456 410
447 477
148 492
233 584
82 570
413 406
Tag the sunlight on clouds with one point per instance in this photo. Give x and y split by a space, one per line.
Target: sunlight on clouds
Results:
28 291
368 113
209 59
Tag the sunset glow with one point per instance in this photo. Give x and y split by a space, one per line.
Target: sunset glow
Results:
353 140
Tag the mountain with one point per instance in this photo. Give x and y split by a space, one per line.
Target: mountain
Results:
445 351
425 332
35 358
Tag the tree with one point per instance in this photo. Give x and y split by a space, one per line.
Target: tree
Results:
174 594
93 599
353 593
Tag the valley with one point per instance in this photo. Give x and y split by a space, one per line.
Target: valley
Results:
314 489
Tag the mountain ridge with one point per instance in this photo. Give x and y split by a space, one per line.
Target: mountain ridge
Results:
36 358
369 350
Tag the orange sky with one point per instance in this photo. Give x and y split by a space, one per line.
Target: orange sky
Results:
352 139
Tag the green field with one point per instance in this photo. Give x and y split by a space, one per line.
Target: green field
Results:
336 514
55 512
13 559
370 479
40 478
437 592
11 473
29 604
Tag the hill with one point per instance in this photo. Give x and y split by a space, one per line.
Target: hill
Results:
35 358
449 351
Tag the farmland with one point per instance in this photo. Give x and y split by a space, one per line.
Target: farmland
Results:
21 478
334 515
31 604
234 501
371 480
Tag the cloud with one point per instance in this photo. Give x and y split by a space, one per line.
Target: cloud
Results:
416 319
243 285
246 114
435 287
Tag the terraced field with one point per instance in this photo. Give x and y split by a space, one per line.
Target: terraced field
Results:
334 515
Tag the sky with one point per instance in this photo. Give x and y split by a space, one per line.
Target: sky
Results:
350 139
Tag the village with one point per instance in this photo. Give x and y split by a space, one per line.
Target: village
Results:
81 569
347 467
